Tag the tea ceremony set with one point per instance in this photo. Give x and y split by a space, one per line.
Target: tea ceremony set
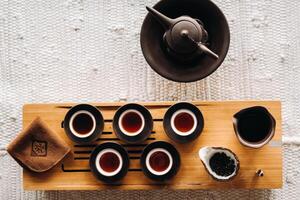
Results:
158 144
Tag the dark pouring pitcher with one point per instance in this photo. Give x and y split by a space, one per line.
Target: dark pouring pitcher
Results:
254 126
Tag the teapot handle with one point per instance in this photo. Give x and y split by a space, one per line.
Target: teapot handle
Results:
165 21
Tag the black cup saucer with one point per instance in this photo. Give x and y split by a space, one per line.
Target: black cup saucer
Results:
99 123
183 138
145 132
125 162
175 160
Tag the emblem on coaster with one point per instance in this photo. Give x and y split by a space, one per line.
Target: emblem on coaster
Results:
39 148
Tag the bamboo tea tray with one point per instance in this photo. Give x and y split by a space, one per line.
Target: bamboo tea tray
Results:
73 172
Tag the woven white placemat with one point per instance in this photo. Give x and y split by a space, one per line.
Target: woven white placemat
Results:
88 50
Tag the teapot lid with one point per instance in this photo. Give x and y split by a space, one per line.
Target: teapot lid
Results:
178 40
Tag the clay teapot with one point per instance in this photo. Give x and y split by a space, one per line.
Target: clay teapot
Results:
185 37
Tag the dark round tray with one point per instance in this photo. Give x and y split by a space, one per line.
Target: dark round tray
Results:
153 47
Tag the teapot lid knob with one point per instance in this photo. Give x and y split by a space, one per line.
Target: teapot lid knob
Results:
184 33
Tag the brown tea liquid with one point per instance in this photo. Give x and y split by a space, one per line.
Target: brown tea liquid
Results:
109 162
131 122
159 161
82 123
184 122
254 127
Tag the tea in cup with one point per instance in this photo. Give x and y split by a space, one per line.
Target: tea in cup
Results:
83 123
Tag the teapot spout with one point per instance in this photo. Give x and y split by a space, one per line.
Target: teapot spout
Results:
201 46
207 51
165 21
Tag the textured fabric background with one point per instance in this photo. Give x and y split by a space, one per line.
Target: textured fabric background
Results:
88 50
